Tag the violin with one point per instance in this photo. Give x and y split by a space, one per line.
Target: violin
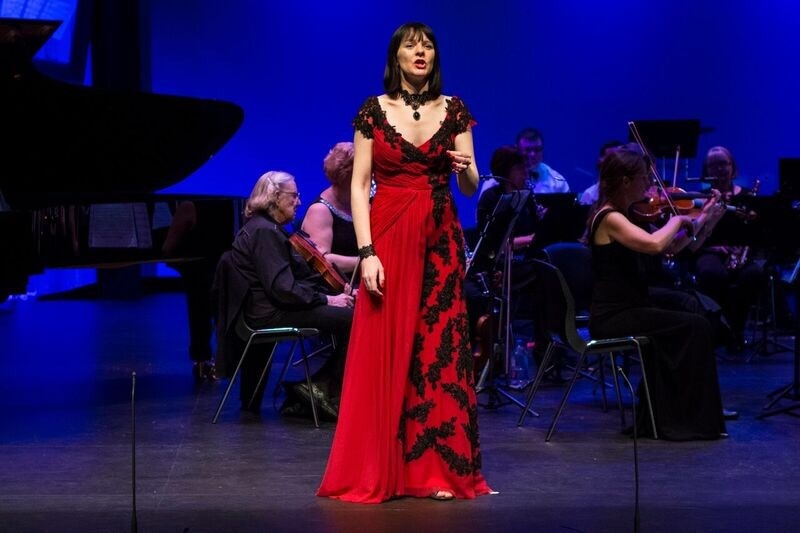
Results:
672 201
655 209
658 207
306 248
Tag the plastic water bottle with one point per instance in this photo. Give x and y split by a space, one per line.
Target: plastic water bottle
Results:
519 367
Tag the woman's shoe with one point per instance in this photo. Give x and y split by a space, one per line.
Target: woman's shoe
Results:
442 495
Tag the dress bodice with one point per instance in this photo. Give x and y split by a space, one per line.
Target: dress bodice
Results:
407 174
620 275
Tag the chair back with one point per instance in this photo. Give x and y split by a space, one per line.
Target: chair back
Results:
574 260
556 307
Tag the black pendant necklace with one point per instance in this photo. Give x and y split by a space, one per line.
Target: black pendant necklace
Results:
415 100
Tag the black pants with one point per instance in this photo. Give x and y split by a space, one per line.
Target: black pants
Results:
198 277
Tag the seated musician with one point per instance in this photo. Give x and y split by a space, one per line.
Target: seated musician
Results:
727 273
283 289
508 164
680 361
590 194
193 231
328 220
541 178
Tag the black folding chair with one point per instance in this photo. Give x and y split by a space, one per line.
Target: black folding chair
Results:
553 295
273 336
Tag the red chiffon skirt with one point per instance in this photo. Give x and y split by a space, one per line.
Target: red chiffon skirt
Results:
408 417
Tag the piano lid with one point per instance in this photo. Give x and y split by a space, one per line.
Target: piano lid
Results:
61 141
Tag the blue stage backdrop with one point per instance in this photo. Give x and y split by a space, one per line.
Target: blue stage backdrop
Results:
577 70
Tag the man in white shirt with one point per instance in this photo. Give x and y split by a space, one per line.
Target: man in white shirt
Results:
542 178
590 195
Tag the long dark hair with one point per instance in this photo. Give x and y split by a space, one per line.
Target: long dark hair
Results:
626 161
391 74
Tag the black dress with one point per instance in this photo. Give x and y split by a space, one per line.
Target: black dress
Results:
680 361
344 234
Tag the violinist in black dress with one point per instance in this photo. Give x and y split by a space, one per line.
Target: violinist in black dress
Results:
680 361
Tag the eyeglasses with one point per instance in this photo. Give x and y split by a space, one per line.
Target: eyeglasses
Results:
294 194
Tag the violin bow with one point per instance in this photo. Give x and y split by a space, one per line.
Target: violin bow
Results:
651 163
353 275
675 169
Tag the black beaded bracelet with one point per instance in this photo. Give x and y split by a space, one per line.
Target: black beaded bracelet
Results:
366 251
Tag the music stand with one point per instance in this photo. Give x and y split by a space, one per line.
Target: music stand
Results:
669 139
496 242
662 136
785 214
792 390
497 230
563 219
789 177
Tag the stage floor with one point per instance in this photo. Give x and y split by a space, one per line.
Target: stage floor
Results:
65 446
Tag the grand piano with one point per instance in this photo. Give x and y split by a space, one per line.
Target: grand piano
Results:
79 167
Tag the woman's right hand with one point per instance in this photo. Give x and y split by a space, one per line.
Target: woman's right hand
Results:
372 275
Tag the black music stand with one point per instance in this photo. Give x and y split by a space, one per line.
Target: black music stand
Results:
789 177
783 212
792 390
666 139
495 243
766 232
497 231
662 136
563 219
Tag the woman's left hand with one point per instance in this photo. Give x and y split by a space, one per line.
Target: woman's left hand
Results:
459 161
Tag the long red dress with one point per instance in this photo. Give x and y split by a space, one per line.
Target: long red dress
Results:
408 416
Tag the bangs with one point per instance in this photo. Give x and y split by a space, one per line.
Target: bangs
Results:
416 35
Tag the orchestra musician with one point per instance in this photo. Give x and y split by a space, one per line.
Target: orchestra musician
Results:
194 227
284 290
328 222
680 361
508 164
542 178
722 271
590 195
407 424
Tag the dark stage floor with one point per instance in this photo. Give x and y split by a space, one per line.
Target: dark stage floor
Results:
65 447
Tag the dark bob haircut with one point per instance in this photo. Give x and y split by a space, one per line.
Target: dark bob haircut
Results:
391 74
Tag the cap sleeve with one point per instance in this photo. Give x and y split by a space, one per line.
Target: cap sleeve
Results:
462 118
366 118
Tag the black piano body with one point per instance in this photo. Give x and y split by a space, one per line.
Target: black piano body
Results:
80 167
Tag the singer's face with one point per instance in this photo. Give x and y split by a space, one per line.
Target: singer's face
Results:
532 150
415 57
